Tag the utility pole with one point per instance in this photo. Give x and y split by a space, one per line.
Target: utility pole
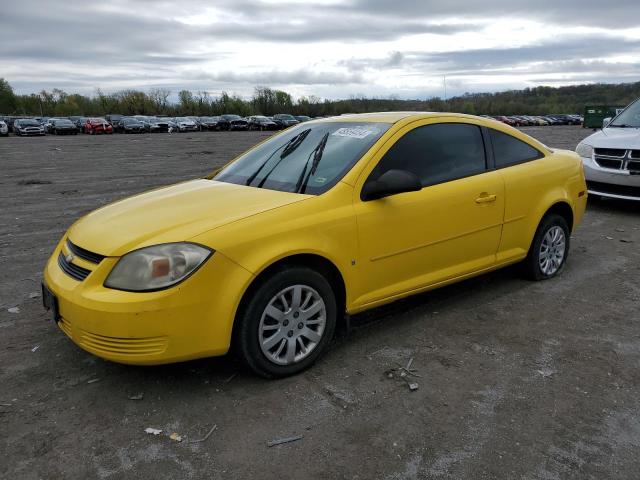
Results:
444 78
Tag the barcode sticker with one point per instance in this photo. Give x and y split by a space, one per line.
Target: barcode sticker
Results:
353 132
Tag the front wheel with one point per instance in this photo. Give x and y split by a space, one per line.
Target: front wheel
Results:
549 249
287 322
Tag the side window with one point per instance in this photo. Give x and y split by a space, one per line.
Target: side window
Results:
508 150
437 153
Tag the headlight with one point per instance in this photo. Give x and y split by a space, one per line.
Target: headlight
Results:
157 267
584 150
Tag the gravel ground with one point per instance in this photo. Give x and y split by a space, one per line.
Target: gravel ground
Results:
518 380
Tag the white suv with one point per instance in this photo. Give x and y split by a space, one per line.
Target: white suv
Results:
4 130
611 157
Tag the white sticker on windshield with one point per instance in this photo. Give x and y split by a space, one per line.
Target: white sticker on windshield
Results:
353 132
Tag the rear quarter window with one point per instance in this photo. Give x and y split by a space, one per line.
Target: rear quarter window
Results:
508 150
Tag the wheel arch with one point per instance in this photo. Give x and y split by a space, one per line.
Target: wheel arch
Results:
314 261
562 208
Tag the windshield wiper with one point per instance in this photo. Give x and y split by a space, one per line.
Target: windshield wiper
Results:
288 147
622 125
294 143
301 185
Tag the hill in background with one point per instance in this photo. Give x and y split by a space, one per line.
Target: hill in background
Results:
267 101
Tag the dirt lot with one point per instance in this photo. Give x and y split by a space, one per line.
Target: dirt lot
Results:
519 380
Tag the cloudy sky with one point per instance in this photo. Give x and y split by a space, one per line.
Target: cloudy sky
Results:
328 48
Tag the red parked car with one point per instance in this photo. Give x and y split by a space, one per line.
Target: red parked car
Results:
507 120
93 126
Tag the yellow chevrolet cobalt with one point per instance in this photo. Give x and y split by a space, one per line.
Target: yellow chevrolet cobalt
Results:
329 218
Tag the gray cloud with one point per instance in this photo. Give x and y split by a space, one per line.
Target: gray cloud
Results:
122 44
565 54
275 77
615 14
557 49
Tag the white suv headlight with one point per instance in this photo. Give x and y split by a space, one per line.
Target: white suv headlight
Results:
157 267
584 150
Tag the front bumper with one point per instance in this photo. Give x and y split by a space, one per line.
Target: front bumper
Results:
191 320
30 133
612 183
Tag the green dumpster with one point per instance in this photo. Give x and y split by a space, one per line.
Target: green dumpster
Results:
594 115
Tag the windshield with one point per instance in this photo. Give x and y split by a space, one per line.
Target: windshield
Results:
278 163
629 118
28 123
62 122
130 121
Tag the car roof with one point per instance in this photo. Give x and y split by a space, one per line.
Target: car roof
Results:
393 117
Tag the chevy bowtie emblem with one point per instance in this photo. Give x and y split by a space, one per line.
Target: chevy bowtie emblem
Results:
69 258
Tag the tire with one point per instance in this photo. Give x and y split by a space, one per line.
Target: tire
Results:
552 235
253 323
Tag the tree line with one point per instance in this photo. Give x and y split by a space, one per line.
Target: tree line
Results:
268 101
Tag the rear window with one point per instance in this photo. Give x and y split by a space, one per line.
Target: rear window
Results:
508 150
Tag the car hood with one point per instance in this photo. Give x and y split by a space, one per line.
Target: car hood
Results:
172 214
622 138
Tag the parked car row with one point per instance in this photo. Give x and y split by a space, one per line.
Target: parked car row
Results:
538 120
115 123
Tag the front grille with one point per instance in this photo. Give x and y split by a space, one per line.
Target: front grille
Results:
618 159
84 254
122 346
610 152
624 190
609 163
634 167
74 271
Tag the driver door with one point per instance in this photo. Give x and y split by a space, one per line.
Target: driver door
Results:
450 228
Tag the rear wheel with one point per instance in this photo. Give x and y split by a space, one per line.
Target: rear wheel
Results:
549 249
287 322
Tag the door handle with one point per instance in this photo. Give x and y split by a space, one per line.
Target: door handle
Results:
486 198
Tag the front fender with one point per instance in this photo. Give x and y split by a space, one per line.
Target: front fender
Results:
324 226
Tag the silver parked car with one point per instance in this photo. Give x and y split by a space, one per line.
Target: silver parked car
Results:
4 129
611 157
27 126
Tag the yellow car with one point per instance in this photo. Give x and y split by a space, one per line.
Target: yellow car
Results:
326 219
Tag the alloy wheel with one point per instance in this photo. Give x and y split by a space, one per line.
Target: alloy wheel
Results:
552 250
292 325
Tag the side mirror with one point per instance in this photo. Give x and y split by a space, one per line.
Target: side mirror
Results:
390 183
606 122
